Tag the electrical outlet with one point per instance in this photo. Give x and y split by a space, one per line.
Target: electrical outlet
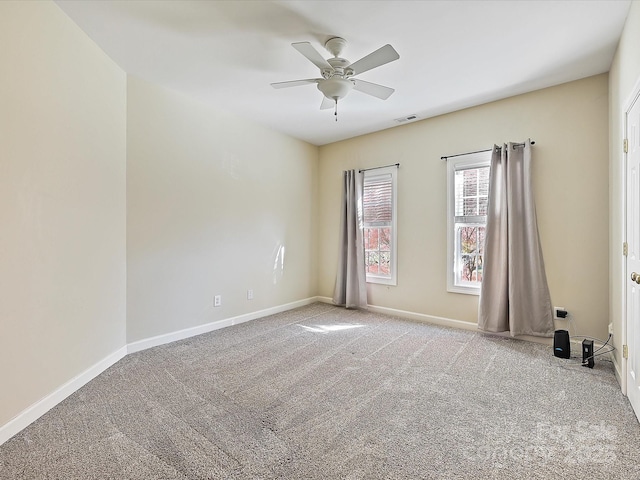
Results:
611 329
559 313
249 294
217 300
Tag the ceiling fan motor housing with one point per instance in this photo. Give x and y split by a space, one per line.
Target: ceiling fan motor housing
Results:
340 68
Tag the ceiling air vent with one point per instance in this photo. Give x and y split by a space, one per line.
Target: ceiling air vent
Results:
408 118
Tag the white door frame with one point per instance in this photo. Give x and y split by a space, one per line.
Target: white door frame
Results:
634 97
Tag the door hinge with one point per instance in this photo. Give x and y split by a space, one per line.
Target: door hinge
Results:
625 145
625 351
625 248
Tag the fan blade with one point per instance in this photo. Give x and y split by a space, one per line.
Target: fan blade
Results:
373 89
306 49
381 56
327 103
295 83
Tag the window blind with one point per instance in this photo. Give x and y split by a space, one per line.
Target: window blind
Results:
377 200
471 193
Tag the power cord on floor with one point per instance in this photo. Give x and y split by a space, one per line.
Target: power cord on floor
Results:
585 361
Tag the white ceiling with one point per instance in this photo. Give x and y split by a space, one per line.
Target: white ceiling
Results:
453 54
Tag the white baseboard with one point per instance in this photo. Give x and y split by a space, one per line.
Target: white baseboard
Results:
421 317
443 321
618 372
35 411
209 327
324 300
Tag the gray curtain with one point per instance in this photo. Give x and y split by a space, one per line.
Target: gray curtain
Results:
514 296
351 288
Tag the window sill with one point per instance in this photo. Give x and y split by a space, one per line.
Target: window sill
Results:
381 280
464 290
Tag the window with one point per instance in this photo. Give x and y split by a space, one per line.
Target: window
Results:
468 194
379 208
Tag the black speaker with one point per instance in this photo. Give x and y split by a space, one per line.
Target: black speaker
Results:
561 344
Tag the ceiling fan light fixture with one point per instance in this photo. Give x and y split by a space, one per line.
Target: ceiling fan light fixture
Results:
335 88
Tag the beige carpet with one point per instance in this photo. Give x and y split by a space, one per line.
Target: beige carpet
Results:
324 393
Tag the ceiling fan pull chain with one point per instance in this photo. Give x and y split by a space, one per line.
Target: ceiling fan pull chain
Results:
336 112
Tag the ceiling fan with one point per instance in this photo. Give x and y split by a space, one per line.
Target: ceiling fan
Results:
337 73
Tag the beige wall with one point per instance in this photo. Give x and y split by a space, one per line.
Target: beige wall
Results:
62 203
624 73
570 125
215 205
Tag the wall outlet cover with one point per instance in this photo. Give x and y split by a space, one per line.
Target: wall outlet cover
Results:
555 313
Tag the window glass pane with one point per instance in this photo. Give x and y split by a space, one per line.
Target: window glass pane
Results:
371 262
483 181
470 182
371 238
385 263
377 244
468 239
482 206
459 181
385 239
378 203
469 192
470 206
468 267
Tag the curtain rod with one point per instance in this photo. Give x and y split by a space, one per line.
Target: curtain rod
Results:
375 168
482 151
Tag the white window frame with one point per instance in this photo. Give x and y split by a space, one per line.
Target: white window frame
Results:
372 175
462 162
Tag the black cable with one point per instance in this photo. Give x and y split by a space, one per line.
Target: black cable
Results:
592 338
596 354
604 344
603 353
584 362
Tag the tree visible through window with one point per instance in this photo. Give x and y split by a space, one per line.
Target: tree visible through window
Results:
379 225
472 190
469 194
